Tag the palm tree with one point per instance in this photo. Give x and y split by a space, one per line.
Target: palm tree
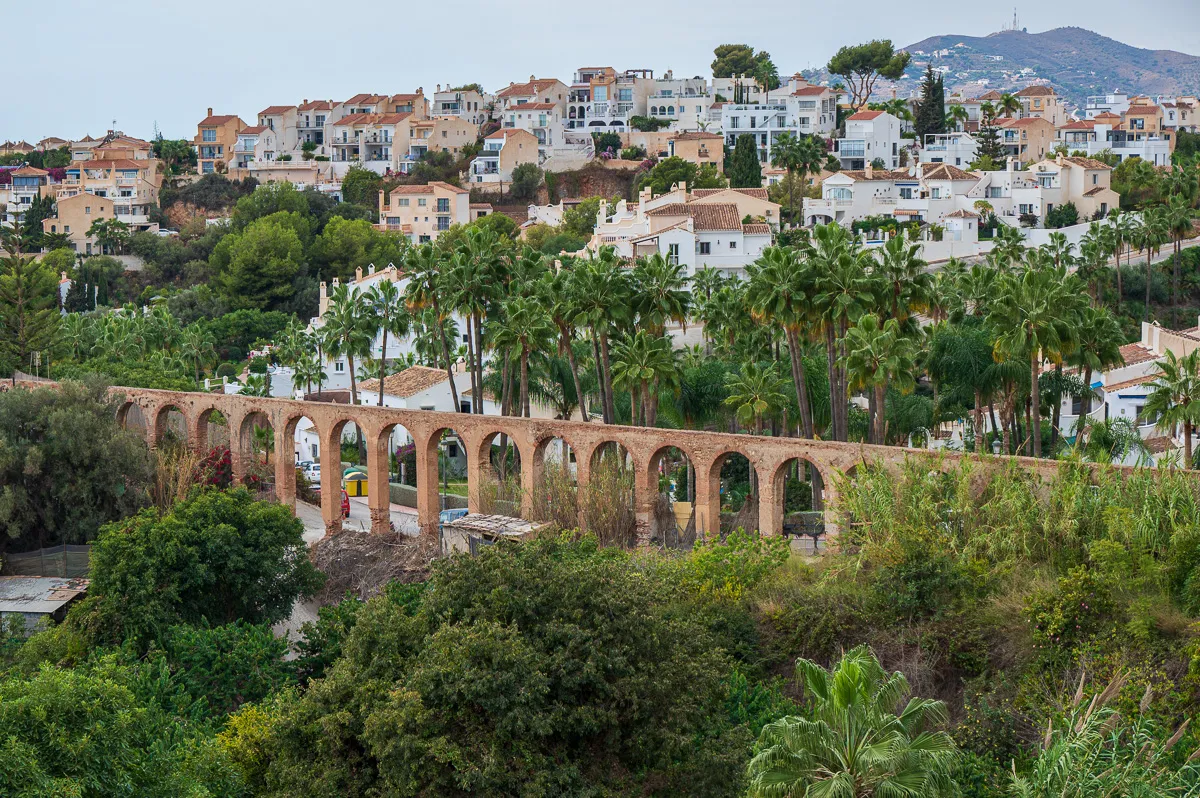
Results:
1175 397
755 393
386 312
601 290
196 347
1098 340
1008 105
957 117
346 333
841 293
1150 235
474 281
560 302
525 327
256 385
1029 321
878 355
1124 229
306 371
705 281
423 265
1179 221
905 283
76 333
640 362
779 290
800 157
851 742
659 293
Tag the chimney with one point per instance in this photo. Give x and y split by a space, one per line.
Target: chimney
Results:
358 274
209 111
305 101
532 78
437 87
683 187
870 172
1059 159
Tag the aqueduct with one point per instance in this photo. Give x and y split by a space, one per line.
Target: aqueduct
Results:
767 456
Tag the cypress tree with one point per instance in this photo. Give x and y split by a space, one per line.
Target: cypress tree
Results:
744 169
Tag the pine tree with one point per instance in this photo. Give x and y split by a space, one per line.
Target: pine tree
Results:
28 309
988 141
80 295
744 169
931 113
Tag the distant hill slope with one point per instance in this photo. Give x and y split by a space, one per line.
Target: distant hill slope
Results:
1077 62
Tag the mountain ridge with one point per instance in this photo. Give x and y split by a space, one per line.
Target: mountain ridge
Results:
1074 60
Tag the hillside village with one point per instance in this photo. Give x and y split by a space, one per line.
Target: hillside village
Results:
612 433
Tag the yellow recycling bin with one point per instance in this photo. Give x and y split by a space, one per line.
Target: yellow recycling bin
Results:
356 485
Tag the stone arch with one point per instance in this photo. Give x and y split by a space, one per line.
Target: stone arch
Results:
798 488
169 420
551 481
607 496
296 435
726 468
256 446
443 469
210 429
497 460
130 415
671 481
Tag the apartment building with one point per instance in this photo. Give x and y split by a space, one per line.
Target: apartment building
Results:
1116 103
1026 139
870 136
421 213
311 118
924 192
503 151
28 183
1041 102
369 138
283 122
1084 182
255 145
1181 113
802 110
1143 124
465 102
124 187
1107 132
695 229
684 102
958 149
601 99
16 148
537 90
699 148
216 136
438 134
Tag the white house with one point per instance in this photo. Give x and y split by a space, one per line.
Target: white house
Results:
957 149
800 109
1106 132
870 135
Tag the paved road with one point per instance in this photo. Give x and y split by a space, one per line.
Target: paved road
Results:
404 518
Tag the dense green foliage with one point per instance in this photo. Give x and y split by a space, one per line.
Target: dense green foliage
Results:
66 467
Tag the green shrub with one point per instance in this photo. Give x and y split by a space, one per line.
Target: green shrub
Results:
1077 608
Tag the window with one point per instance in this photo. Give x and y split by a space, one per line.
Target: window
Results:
422 202
1095 179
339 367
705 248
443 205
443 223
208 134
67 228
673 253
733 245
464 406
87 209
1103 209
906 193
404 202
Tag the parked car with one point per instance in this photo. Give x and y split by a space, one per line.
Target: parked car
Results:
450 516
313 473
345 500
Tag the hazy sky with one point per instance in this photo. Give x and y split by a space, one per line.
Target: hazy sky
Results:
75 65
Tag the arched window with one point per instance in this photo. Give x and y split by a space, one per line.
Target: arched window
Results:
671 111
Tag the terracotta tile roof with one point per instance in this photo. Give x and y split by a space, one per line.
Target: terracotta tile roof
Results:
1107 115
756 229
1082 124
427 188
991 95
527 89
810 91
1159 444
480 206
409 382
365 99
863 116
216 119
252 130
1132 383
30 171
657 233
534 107
1143 110
696 136
756 193
945 171
1025 121
961 214
1087 163
371 119
316 105
275 110
1091 192
705 216
877 174
1036 91
1133 354
117 163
